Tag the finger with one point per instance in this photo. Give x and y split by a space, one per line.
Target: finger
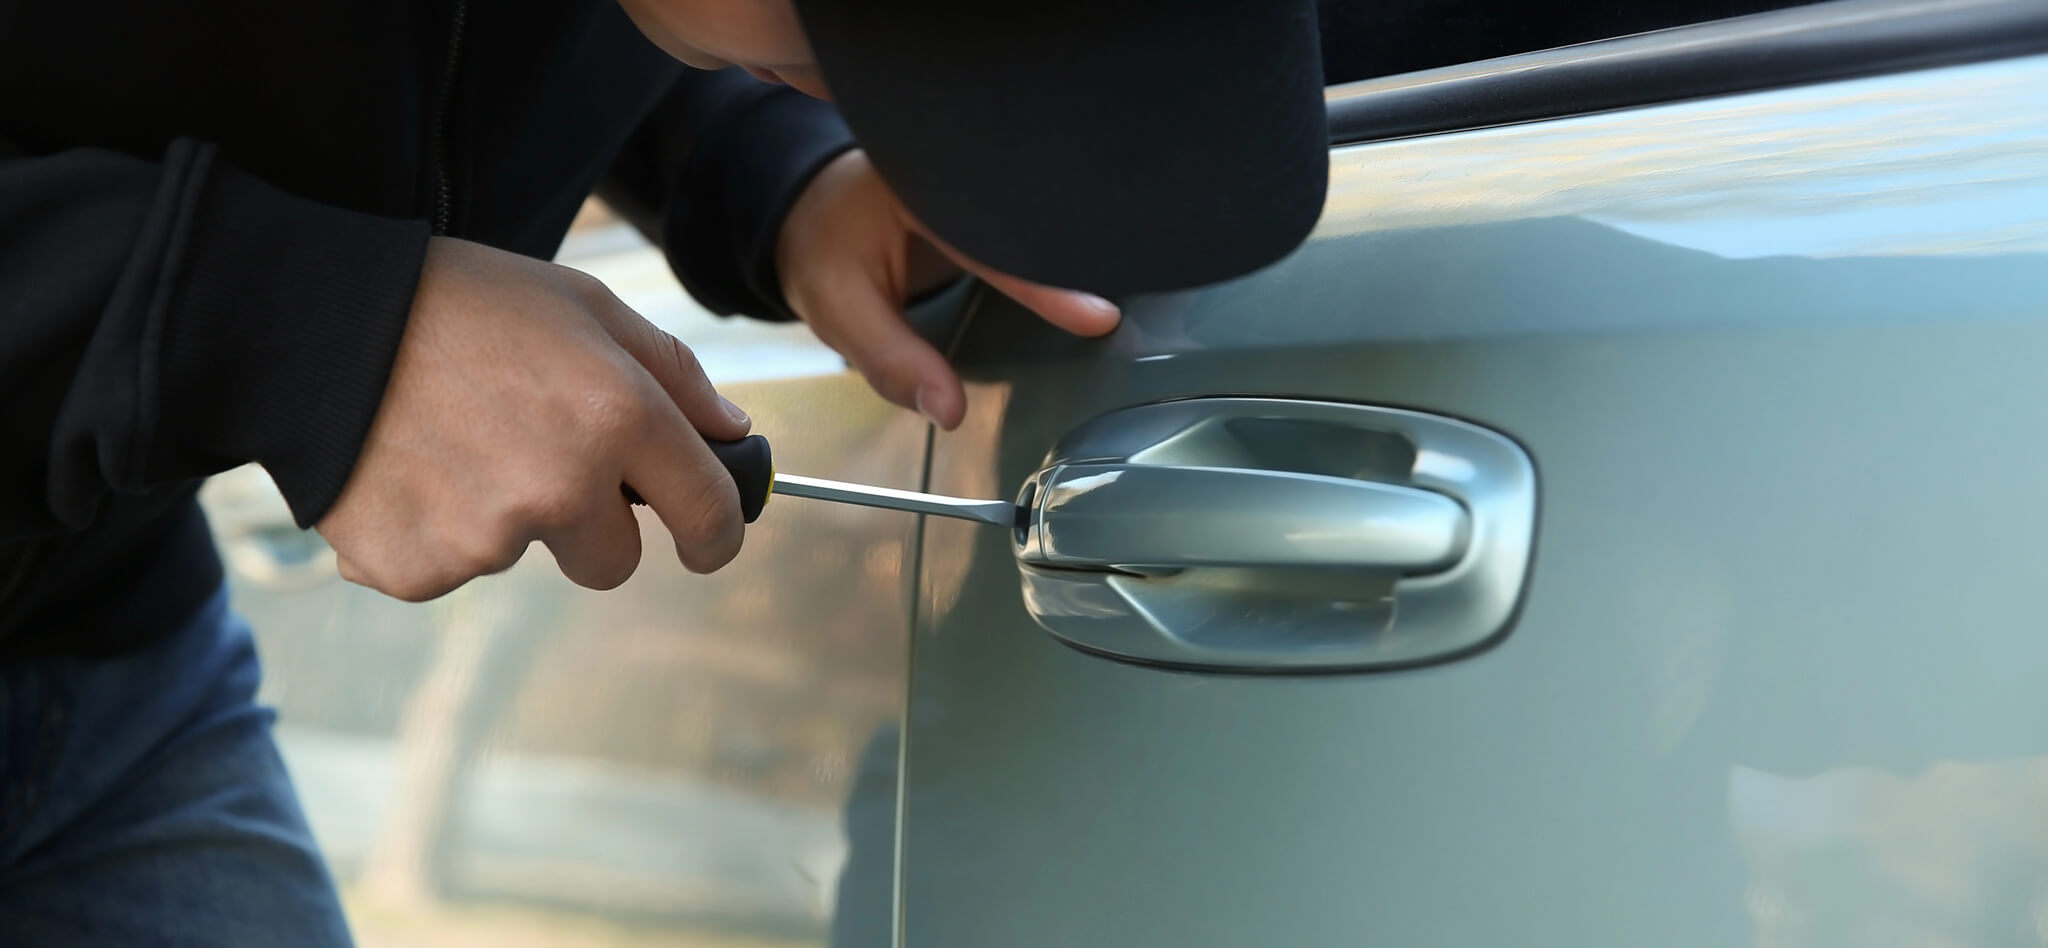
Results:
1083 314
868 329
678 476
674 366
602 549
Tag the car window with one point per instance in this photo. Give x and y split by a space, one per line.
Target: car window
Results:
1367 39
1795 44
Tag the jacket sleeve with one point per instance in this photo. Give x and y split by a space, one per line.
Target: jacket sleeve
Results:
710 174
161 321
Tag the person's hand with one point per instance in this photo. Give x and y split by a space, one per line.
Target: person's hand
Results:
850 255
523 396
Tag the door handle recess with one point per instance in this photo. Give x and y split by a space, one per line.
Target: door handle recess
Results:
1152 519
1275 535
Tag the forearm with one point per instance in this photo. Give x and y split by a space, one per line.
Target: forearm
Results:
168 320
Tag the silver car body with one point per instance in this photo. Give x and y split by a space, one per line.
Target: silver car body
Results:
1778 357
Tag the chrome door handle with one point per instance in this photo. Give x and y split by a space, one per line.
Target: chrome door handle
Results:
1150 519
1275 535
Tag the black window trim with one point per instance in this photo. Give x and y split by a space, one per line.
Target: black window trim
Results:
1840 39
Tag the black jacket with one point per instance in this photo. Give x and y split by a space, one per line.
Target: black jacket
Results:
212 220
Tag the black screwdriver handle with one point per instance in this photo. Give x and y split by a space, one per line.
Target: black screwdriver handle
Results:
752 467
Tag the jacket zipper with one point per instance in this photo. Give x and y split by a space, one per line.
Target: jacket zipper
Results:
444 197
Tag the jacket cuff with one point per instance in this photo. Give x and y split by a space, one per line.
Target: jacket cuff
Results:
726 218
286 320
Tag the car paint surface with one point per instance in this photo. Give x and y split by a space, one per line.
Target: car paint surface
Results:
1778 358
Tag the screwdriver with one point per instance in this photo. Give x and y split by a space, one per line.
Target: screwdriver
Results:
752 467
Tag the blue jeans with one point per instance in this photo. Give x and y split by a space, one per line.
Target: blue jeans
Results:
142 802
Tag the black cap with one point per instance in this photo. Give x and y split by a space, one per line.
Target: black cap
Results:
1114 146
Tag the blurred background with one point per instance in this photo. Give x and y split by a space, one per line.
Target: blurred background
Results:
528 763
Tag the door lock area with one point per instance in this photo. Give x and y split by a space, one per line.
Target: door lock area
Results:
1275 535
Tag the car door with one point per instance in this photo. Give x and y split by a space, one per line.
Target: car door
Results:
524 762
1747 319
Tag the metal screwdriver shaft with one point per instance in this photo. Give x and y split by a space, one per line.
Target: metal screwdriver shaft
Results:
752 466
998 512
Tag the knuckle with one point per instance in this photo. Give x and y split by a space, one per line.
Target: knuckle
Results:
585 286
483 552
600 555
411 592
420 586
707 559
607 576
501 564
547 505
402 577
612 410
717 514
713 528
677 357
494 562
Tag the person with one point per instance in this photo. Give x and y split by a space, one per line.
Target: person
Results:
313 236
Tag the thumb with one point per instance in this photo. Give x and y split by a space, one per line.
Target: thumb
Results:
1083 314
675 367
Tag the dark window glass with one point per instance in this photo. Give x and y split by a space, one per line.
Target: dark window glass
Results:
1364 39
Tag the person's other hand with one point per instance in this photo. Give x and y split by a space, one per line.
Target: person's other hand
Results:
850 255
523 396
